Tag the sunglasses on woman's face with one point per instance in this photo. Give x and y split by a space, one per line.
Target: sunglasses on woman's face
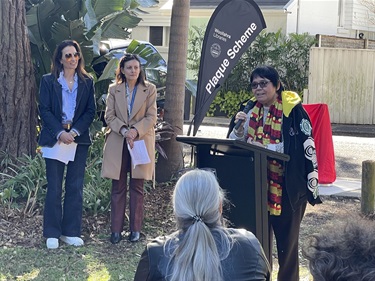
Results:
262 84
69 56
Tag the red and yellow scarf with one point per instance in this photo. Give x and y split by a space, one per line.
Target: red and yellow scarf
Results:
269 133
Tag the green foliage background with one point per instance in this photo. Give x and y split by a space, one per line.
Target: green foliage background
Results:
288 54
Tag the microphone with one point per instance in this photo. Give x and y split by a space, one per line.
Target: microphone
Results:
246 109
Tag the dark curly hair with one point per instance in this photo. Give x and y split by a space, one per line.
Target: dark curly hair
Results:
344 252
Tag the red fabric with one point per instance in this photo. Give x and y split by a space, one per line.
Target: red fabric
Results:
322 131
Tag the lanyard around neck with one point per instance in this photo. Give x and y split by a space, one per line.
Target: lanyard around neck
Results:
130 105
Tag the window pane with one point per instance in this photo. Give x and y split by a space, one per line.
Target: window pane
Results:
156 35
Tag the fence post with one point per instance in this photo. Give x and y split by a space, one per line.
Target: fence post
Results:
368 187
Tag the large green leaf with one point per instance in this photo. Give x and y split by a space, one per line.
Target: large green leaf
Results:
109 70
103 8
70 8
117 26
38 18
146 52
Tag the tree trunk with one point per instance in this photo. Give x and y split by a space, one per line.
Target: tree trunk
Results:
175 89
17 83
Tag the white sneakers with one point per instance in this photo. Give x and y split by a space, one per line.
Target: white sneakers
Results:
73 241
53 243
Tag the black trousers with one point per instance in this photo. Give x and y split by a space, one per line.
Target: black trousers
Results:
64 219
286 228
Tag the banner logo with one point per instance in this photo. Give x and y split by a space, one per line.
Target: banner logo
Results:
215 50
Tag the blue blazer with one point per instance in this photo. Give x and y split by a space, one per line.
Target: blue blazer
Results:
50 110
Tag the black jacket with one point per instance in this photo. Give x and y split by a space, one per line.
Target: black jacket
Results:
301 171
246 260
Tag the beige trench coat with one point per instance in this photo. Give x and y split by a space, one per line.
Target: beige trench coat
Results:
143 118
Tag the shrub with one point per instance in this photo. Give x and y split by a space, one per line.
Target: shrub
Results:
22 181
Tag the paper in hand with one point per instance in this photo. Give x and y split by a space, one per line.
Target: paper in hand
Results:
139 153
60 151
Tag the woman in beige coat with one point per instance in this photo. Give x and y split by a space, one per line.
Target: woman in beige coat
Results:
130 115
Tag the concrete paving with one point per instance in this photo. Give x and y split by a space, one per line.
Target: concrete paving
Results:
342 187
349 184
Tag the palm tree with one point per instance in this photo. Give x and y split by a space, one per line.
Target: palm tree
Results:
18 116
175 89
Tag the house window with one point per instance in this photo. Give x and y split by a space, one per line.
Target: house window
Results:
156 35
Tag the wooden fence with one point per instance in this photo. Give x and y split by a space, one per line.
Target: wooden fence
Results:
344 79
343 42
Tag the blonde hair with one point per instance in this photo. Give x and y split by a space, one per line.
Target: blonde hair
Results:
193 249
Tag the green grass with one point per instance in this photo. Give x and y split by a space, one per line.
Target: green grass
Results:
91 262
94 262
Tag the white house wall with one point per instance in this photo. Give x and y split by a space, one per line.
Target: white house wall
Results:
358 17
318 16
275 20
291 15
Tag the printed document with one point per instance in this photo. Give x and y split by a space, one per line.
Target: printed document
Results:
139 153
60 151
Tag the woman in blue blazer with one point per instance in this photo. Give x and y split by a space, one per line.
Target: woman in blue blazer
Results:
67 108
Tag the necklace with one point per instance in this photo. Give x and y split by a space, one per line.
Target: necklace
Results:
69 82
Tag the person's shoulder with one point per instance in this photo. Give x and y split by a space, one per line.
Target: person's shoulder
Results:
114 84
48 77
88 77
149 85
241 233
243 236
114 87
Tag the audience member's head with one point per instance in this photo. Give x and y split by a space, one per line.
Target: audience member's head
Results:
197 204
197 197
343 252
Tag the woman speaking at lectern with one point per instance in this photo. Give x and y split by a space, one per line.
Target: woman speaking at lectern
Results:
277 121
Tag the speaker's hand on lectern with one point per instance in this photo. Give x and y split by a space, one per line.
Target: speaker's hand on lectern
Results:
251 141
